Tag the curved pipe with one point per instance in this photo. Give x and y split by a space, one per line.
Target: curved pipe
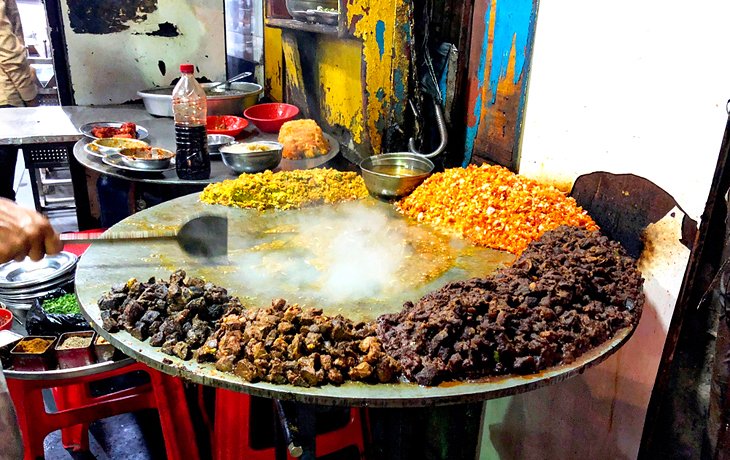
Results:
441 123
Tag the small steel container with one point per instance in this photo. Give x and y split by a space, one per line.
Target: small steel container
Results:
159 158
236 157
394 175
216 141
74 357
103 351
42 361
8 339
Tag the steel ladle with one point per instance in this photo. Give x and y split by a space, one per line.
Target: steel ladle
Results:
203 236
226 83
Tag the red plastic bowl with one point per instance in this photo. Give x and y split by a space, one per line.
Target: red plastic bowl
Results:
233 125
6 319
269 117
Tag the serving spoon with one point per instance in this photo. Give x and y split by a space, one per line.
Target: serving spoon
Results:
203 236
230 80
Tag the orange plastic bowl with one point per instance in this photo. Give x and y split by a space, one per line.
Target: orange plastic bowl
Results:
6 319
229 125
269 117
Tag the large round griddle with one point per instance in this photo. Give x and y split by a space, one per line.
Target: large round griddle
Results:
257 236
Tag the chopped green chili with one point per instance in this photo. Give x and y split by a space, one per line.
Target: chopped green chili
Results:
65 304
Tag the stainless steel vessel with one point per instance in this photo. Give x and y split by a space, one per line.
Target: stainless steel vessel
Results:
233 101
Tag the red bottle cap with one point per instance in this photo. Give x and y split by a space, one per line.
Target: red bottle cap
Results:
187 68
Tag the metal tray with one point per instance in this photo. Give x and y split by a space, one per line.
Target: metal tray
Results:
142 132
14 275
34 361
117 161
307 163
102 267
75 357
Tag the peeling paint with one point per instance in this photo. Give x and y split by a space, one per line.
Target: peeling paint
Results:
273 64
384 52
496 92
163 68
379 32
165 29
339 67
105 17
291 58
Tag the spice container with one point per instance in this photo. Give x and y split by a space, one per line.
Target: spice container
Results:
103 350
74 349
34 353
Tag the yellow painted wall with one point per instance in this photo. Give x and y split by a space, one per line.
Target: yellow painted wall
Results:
340 87
384 29
273 64
362 81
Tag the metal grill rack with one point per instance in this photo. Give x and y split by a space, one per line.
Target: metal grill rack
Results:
48 168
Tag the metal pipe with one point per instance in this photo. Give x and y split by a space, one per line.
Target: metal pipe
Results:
289 428
441 124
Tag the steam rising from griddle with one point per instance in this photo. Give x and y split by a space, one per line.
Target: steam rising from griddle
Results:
346 253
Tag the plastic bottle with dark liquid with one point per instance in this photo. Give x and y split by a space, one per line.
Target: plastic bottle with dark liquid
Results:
190 110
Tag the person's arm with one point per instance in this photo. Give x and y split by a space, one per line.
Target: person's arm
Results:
24 232
13 59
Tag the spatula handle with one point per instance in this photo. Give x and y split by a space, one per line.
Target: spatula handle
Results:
119 236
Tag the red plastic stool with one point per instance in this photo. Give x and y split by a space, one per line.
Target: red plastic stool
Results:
232 438
77 407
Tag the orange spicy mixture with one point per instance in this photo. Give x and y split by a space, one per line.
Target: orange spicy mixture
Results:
493 207
34 345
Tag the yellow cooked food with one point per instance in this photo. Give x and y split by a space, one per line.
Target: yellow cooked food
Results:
286 189
492 206
302 139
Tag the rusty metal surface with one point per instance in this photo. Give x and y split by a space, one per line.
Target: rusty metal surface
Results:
265 249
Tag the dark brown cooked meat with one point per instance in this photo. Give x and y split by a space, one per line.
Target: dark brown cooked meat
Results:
285 344
567 293
177 315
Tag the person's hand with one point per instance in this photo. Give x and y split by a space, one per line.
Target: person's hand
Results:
24 232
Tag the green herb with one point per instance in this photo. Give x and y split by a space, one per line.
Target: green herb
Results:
496 355
65 304
327 10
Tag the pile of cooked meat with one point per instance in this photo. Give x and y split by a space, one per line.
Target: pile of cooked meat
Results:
568 292
177 315
285 344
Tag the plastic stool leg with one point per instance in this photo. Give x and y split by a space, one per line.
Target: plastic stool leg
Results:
74 437
28 399
177 428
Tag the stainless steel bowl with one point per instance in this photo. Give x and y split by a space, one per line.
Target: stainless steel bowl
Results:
394 175
240 96
159 158
216 141
236 156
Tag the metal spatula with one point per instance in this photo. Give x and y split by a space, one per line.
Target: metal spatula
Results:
203 236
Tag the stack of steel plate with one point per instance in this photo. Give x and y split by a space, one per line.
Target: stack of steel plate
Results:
23 282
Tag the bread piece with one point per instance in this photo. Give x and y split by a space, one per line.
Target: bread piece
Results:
302 139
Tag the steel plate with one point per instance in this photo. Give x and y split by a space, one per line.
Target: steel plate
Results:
44 286
305 163
85 129
281 236
14 275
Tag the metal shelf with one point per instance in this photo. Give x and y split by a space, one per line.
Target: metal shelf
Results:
303 26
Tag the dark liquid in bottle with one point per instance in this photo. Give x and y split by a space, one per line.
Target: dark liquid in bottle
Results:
191 159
